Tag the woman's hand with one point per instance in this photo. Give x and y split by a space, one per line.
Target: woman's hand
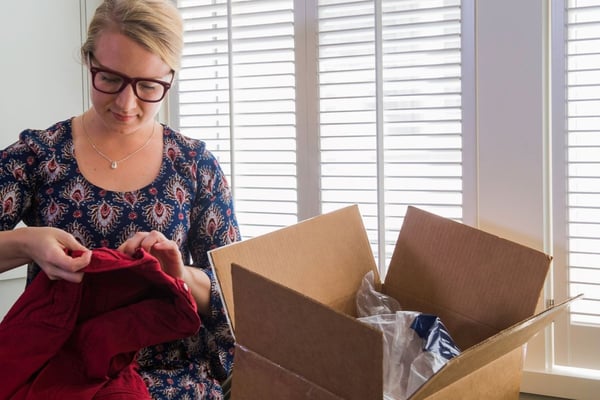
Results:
168 255
46 247
166 251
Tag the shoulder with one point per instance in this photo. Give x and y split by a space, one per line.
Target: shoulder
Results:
46 138
178 145
184 142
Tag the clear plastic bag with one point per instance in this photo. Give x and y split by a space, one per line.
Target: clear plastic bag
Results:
416 345
371 302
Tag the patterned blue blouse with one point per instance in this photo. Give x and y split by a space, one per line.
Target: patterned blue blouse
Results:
189 202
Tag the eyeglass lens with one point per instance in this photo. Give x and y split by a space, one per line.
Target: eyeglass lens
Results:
111 83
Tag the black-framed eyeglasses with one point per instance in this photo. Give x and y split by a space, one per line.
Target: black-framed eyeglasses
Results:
111 82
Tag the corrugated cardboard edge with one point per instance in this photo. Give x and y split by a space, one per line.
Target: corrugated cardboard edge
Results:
331 349
290 256
495 347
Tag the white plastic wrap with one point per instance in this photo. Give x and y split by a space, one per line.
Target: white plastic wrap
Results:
371 302
416 345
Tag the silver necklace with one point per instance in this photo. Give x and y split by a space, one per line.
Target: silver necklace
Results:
115 163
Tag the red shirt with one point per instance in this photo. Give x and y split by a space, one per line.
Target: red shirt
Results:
64 340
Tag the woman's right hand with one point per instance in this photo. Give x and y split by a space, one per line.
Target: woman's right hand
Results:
46 247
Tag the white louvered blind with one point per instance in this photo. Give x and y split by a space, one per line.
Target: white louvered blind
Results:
390 96
577 180
237 93
387 107
583 157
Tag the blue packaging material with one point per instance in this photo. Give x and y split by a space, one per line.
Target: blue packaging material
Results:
435 336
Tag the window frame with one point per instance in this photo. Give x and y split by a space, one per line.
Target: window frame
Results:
541 375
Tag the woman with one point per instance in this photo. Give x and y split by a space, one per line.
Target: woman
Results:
114 177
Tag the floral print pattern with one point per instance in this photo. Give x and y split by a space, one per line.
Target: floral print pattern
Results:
189 201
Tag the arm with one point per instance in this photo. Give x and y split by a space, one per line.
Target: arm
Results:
10 256
213 224
46 247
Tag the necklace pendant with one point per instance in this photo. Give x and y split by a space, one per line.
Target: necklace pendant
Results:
113 165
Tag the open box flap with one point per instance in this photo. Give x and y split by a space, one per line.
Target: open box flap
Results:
307 338
462 271
489 350
324 257
257 377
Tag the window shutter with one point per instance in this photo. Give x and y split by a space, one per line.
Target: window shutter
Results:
390 109
577 180
237 93
583 157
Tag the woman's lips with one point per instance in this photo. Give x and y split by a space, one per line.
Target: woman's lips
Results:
123 118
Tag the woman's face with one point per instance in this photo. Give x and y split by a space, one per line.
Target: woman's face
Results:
124 112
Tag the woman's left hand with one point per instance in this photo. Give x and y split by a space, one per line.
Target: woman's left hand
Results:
166 251
168 255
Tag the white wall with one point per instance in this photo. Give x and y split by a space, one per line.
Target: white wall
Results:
510 124
41 80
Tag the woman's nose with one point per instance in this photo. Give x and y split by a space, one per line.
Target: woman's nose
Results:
126 99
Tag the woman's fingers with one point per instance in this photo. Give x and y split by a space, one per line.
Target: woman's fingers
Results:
145 240
47 248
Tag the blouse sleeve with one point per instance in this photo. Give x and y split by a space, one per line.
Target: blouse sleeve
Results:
16 182
213 221
213 224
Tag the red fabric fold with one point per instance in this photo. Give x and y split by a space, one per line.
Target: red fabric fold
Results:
64 340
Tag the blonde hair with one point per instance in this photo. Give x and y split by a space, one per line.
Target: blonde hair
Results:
154 24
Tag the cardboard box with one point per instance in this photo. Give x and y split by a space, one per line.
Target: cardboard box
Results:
290 295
